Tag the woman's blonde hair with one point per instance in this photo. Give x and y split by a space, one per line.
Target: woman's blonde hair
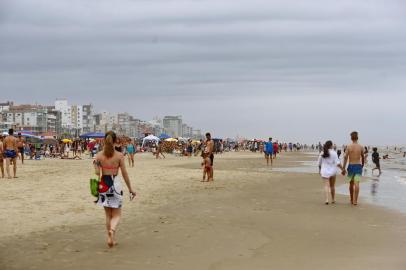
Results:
109 141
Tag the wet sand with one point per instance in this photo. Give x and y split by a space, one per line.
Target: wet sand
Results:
249 218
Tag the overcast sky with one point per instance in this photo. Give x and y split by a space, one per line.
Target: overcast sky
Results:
295 70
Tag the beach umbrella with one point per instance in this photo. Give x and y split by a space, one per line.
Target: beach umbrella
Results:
171 140
93 135
50 141
182 139
28 135
164 136
150 138
67 141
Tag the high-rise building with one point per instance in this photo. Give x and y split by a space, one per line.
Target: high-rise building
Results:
88 125
123 124
5 106
157 126
66 114
27 117
54 122
197 134
187 131
77 119
134 129
173 125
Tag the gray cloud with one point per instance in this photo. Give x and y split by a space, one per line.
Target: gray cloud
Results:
251 68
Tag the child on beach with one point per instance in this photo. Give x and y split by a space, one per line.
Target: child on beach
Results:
206 164
375 160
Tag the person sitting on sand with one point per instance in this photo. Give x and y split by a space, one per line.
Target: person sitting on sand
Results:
107 164
354 154
206 167
328 163
376 160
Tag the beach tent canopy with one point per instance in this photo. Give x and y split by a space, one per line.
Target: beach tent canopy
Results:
50 141
182 139
150 138
28 135
23 132
92 135
164 136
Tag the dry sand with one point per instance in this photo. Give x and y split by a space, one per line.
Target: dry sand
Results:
249 218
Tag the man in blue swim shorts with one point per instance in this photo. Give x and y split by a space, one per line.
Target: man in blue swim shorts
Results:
354 156
268 149
10 153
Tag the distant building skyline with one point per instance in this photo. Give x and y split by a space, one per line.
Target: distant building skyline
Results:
63 118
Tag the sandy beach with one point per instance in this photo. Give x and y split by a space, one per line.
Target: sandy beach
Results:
250 218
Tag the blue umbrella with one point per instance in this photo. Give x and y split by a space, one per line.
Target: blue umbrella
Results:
92 135
164 136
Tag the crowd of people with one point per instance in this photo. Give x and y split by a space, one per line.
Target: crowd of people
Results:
110 156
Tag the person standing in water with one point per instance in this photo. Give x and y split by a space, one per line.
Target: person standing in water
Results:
328 163
107 164
354 156
376 160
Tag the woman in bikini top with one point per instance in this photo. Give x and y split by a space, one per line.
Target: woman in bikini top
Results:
108 163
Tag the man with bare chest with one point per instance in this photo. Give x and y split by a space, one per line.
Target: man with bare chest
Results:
354 156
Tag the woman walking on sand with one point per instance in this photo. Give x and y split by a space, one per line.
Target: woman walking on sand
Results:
107 165
131 152
328 163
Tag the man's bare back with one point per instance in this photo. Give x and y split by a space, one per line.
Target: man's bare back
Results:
20 143
355 153
10 143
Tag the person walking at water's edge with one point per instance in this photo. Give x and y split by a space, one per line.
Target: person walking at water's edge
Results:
328 163
107 165
354 156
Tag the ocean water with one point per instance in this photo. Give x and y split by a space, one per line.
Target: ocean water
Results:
387 190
